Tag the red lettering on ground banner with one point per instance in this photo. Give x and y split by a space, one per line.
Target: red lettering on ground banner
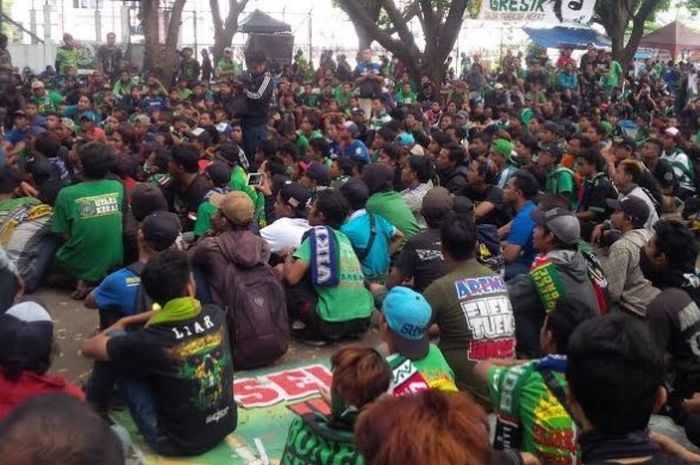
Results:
270 389
295 383
251 393
484 350
321 373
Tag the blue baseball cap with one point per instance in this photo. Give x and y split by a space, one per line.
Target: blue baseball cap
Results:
408 315
405 138
90 116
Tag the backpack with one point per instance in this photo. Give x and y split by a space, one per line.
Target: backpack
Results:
256 315
143 302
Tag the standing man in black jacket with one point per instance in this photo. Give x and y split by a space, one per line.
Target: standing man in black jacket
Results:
258 92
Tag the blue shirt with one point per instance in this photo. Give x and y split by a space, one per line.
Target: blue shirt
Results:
358 151
521 234
377 261
150 103
363 69
118 292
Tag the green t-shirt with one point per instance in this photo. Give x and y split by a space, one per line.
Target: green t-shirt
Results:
349 299
521 397
65 57
560 181
395 210
302 143
205 213
472 309
436 370
47 102
239 182
614 75
341 97
313 440
90 213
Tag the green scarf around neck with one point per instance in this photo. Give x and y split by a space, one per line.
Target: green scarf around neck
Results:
180 309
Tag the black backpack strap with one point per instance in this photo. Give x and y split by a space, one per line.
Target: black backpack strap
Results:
143 302
136 267
362 254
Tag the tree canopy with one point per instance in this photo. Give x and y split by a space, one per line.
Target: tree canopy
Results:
386 21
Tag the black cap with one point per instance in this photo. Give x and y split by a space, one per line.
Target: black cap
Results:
625 141
551 126
319 173
219 173
553 149
161 229
632 206
295 195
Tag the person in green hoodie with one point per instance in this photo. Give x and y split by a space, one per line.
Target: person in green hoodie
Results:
386 202
360 375
559 179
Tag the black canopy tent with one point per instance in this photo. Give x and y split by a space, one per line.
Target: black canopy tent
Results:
261 23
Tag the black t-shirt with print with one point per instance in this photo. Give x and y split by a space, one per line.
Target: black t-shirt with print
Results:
188 367
500 215
663 172
186 202
422 259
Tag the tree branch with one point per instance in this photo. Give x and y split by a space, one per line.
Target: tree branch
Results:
174 24
452 26
358 15
397 20
216 16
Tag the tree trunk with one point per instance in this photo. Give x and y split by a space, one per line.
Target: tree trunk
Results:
615 19
364 38
169 68
644 12
224 30
148 14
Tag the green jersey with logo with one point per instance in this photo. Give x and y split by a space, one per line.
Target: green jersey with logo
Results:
90 214
350 299
312 440
530 417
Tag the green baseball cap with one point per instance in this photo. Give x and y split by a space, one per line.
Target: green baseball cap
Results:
503 147
607 127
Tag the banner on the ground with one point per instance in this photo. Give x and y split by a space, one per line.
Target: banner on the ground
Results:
550 11
268 399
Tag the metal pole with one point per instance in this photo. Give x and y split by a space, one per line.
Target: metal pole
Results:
32 24
98 25
310 35
194 20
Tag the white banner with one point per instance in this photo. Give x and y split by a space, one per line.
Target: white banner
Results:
551 11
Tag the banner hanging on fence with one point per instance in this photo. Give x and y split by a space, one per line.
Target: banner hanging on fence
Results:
550 11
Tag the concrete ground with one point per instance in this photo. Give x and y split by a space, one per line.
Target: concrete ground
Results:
73 323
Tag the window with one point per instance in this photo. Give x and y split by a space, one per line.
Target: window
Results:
88 4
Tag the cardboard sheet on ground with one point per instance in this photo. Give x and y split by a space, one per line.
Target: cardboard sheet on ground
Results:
267 401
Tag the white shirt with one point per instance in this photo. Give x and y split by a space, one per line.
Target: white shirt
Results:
285 232
414 199
653 216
